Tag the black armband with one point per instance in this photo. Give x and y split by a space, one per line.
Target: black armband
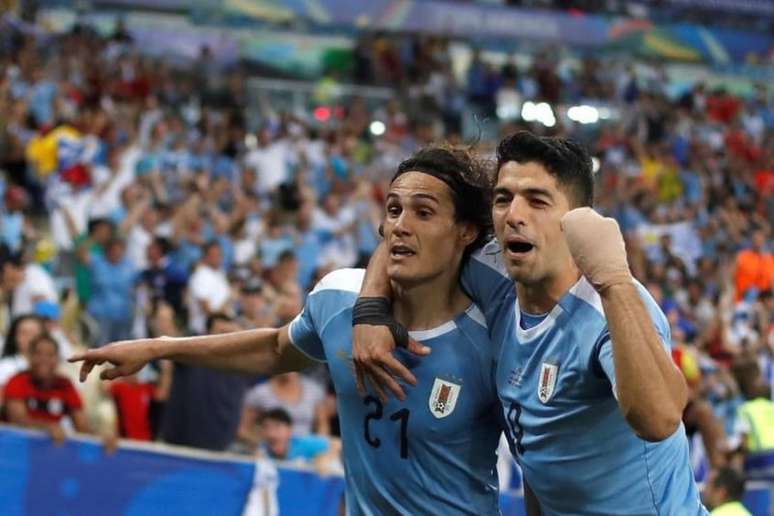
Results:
377 311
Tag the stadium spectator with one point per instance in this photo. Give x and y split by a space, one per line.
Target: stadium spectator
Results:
161 323
15 357
133 400
204 405
755 417
254 310
50 314
39 397
299 396
162 279
754 267
111 302
724 493
210 292
37 285
16 226
280 443
11 276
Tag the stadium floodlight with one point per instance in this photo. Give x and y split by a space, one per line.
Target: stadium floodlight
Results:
540 112
583 114
377 128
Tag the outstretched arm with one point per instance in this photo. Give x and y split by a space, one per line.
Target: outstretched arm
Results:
261 351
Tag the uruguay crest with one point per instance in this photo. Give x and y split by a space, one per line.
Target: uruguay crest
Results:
547 381
443 398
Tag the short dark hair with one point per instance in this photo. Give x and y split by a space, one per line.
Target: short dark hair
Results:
43 337
7 256
209 245
564 159
217 316
286 255
732 481
468 179
93 223
277 414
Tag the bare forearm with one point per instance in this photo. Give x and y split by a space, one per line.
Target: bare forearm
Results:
651 391
376 283
251 351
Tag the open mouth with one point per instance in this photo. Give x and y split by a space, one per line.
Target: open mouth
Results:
400 250
518 247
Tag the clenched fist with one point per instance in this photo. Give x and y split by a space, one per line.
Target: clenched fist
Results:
597 246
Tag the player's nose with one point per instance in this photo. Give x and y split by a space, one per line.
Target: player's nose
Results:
516 214
402 226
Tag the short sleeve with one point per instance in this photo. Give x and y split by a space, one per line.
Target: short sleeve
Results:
603 348
604 351
332 295
303 333
16 388
485 278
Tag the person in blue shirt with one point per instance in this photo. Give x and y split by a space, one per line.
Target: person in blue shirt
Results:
434 450
112 282
592 400
279 443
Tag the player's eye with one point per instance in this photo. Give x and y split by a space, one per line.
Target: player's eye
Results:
502 199
538 203
393 210
424 213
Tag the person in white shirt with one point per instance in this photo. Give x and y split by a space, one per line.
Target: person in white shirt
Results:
269 160
335 222
37 285
139 238
209 290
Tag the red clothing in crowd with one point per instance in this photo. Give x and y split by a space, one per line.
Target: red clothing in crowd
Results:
133 403
723 108
44 404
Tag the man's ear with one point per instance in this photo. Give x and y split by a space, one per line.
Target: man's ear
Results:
468 234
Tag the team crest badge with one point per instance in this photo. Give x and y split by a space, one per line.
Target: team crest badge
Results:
547 381
443 398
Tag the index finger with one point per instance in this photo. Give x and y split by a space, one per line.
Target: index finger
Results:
77 357
92 354
86 368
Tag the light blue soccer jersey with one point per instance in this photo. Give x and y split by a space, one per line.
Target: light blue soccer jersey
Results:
435 452
556 381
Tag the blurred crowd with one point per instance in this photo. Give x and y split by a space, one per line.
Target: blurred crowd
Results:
138 200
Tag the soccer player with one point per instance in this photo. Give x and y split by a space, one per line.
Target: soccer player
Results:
434 451
592 399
